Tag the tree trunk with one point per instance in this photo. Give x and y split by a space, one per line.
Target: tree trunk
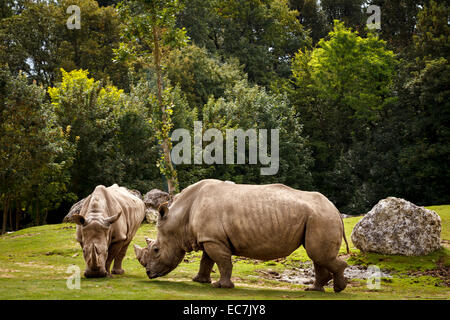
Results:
165 145
5 215
10 219
17 215
37 213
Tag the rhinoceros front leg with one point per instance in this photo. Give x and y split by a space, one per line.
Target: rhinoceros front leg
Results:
206 265
221 255
117 269
113 251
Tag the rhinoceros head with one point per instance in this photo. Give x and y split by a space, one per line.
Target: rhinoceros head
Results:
95 234
163 254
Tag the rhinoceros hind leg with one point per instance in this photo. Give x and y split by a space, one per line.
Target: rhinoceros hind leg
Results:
339 281
206 265
322 277
337 266
323 249
221 255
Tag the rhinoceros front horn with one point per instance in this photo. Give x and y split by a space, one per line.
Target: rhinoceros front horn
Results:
94 256
139 253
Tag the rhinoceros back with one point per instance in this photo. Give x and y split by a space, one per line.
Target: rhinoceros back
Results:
133 210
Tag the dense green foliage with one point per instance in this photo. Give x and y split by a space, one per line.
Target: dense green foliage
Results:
362 114
342 88
35 153
38 42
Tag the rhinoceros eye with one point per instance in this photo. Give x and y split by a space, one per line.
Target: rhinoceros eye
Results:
156 249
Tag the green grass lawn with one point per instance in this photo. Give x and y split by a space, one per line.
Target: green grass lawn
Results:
34 262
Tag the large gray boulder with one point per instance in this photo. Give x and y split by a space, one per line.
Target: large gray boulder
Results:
75 209
396 226
153 199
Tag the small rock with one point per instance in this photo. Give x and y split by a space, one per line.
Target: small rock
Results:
75 209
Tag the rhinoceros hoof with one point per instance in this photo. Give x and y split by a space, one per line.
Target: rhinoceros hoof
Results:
313 288
201 279
223 284
339 288
339 284
117 271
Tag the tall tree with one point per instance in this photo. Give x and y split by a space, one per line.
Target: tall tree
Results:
35 154
348 11
93 112
312 17
398 21
424 109
37 41
150 29
201 75
342 87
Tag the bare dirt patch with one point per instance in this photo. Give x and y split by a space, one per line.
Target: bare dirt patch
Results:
37 265
7 273
22 235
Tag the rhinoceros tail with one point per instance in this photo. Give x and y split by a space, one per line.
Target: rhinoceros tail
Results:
343 234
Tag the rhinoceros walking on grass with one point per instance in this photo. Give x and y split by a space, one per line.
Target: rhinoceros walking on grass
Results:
256 221
106 224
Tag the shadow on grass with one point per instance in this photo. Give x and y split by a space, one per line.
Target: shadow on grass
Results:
198 291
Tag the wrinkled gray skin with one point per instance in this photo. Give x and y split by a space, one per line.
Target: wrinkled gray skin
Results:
106 224
262 222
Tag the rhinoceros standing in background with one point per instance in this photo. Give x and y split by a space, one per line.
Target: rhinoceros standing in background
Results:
76 208
106 224
256 221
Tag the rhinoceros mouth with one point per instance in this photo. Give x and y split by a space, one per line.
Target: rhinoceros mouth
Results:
157 275
98 274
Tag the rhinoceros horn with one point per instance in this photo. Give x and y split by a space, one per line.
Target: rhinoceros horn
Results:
139 253
94 256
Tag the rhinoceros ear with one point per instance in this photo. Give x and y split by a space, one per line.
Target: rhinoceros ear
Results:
163 210
78 219
139 253
113 218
